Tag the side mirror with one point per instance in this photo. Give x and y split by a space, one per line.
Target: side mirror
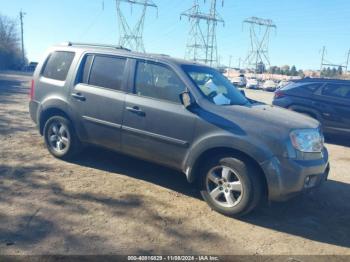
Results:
186 99
242 92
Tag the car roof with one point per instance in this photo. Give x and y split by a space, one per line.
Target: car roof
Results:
321 80
119 50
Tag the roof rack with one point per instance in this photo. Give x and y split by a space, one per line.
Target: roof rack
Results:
95 45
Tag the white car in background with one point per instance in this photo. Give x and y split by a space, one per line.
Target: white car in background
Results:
269 85
283 83
252 83
239 81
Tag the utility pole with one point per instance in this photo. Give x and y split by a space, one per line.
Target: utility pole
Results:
132 37
21 15
202 45
259 43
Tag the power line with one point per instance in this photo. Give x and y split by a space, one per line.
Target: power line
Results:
202 44
132 37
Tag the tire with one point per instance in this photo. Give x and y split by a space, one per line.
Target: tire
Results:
60 138
236 179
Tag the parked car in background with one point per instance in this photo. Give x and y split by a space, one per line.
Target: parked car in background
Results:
326 100
269 85
31 67
252 83
282 83
179 114
239 81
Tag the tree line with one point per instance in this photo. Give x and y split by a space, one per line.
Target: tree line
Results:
332 72
286 70
10 48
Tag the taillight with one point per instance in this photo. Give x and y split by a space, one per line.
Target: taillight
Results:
279 94
31 93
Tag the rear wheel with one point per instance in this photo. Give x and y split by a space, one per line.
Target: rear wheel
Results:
231 186
60 137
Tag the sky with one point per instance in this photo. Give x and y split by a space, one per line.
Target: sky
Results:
303 27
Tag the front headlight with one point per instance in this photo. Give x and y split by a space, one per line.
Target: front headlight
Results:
307 140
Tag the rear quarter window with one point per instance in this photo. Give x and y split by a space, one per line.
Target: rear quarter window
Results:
311 87
57 65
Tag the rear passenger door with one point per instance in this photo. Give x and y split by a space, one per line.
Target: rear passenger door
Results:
336 97
156 125
98 98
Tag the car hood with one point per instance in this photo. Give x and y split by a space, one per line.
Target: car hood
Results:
267 119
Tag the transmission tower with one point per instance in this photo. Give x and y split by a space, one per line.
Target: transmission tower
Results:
132 37
259 41
325 62
202 44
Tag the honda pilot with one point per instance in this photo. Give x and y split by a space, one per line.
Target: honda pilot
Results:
180 114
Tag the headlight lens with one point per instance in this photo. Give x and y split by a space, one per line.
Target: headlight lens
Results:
307 140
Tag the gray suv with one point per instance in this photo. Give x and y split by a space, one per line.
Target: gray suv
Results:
180 114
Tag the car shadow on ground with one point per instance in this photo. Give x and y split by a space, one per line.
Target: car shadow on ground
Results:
321 215
58 211
110 161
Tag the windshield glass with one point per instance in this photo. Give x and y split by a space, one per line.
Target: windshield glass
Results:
214 86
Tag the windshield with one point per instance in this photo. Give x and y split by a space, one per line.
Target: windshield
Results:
214 86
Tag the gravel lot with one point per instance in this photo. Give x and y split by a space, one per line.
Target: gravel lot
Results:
105 203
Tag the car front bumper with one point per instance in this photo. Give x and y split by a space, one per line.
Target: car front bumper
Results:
289 177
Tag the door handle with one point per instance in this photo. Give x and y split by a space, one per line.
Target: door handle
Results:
78 96
135 110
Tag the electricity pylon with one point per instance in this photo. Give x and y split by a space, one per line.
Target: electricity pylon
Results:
325 62
259 42
132 37
202 44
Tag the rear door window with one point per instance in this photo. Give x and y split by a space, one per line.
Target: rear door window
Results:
106 71
57 65
337 90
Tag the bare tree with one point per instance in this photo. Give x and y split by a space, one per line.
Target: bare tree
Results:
10 52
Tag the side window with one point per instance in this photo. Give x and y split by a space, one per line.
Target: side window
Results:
337 90
311 87
158 81
106 71
57 65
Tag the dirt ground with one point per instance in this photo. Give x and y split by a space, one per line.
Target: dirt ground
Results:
105 203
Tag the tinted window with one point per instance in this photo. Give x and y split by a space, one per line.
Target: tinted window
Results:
58 64
311 87
158 81
107 72
337 90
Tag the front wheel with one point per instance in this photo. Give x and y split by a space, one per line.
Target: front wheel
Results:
230 185
60 138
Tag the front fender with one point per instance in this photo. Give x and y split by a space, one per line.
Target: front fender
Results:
252 148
